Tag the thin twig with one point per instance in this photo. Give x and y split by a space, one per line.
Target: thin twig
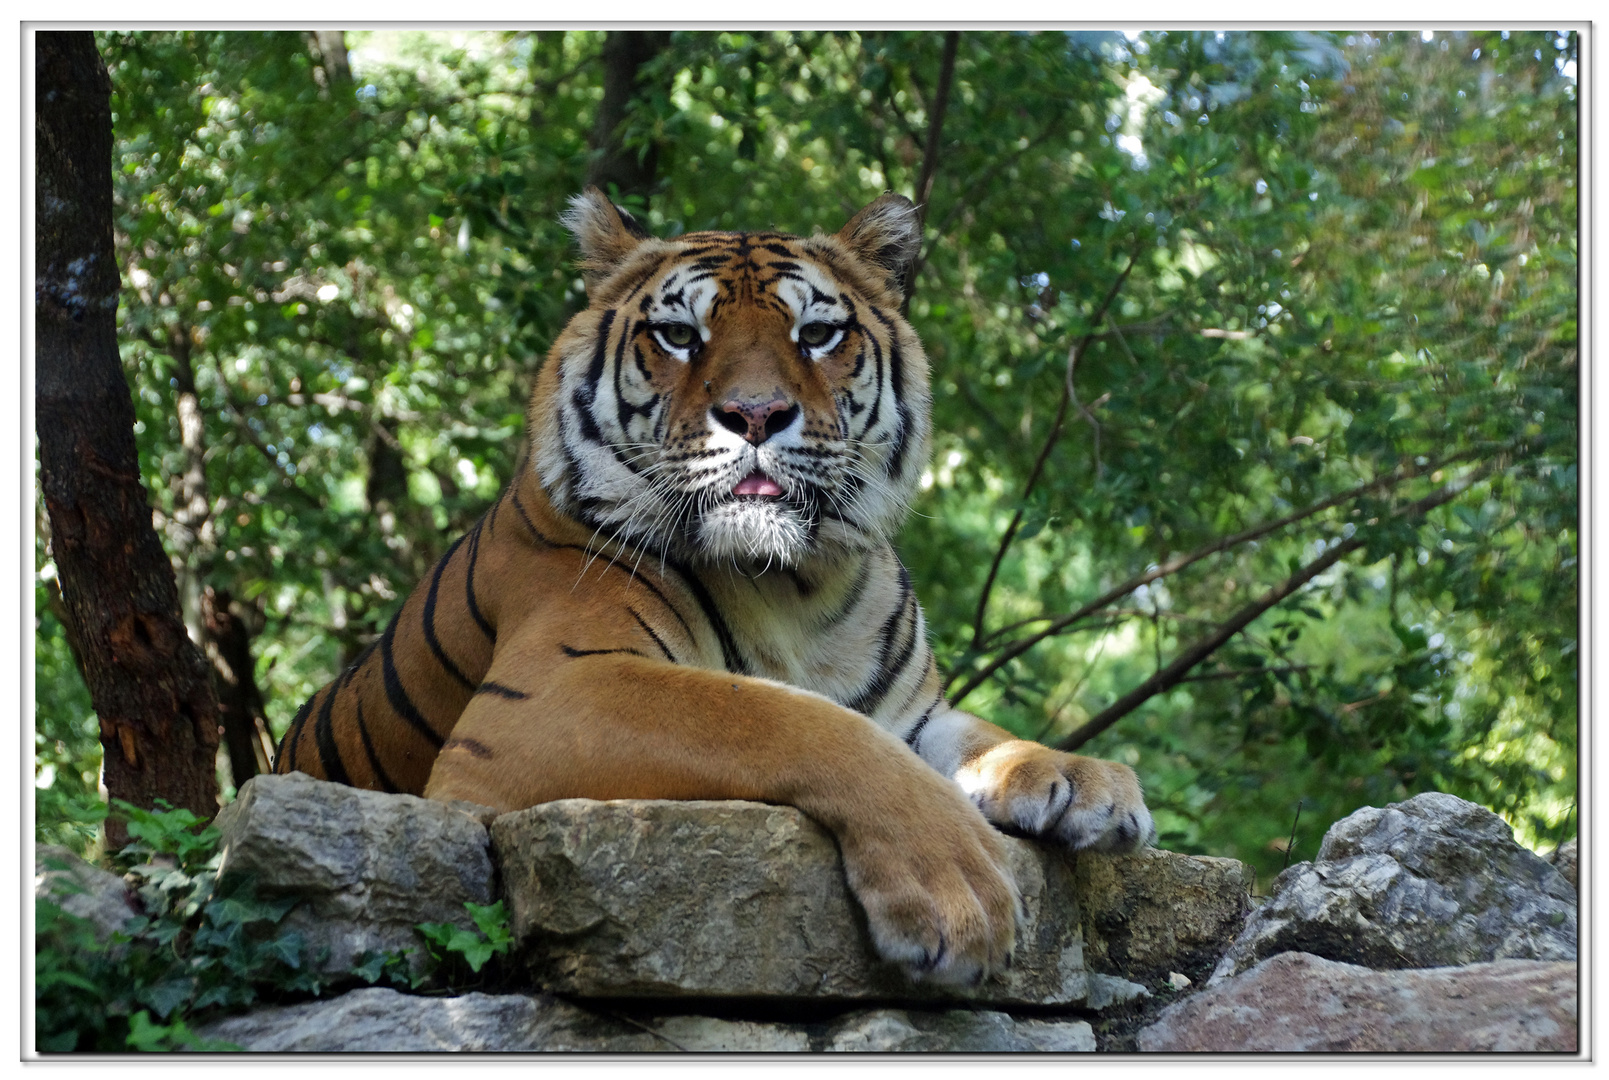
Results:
1291 843
930 154
1073 356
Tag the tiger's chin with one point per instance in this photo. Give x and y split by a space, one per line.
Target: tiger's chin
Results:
754 533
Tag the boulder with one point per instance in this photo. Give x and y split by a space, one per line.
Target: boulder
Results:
83 889
1296 1002
1430 882
1154 913
737 900
956 1031
367 866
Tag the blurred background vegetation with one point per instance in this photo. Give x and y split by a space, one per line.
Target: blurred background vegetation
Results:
1309 280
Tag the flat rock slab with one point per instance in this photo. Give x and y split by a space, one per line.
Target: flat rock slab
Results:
83 889
368 866
732 899
1299 1002
1430 882
385 1021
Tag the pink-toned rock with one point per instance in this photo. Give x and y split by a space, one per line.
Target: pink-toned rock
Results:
1300 1002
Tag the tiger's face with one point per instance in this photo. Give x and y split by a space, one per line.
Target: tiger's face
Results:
745 398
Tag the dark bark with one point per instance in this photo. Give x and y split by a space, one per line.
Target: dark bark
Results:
631 170
149 683
240 700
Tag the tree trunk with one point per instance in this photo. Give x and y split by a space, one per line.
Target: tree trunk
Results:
240 700
629 169
148 681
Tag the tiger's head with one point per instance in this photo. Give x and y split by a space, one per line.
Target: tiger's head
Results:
749 398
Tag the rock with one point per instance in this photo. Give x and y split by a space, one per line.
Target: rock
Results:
1300 1002
732 899
368 866
378 1020
704 1034
1178 980
1108 990
1156 912
1564 861
83 889
1430 882
956 1031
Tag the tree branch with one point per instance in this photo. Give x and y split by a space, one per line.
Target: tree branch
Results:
1403 472
930 154
1175 672
1067 397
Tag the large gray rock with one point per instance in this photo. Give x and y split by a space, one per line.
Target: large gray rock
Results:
1299 1002
368 866
83 889
732 899
956 1031
1430 882
1153 913
384 1021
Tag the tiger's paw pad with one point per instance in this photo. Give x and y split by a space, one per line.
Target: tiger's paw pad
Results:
1085 803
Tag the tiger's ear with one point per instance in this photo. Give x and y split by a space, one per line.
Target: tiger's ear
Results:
605 233
887 235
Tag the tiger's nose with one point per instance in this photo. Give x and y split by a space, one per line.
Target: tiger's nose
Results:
754 420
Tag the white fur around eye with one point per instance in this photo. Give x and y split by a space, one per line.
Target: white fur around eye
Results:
816 352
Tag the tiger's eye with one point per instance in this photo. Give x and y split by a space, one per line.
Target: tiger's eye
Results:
815 334
678 335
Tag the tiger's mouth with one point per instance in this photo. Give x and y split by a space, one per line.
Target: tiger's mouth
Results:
758 484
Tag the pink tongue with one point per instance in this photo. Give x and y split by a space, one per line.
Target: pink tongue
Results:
757 483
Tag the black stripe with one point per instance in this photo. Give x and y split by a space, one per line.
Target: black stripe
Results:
903 412
396 694
429 619
915 733
883 675
374 761
537 535
292 734
596 652
729 652
329 755
649 630
469 584
489 687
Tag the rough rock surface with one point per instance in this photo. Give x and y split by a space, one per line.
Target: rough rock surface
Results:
1564 861
957 1030
1155 912
381 1020
1430 882
730 899
1299 1002
83 889
369 866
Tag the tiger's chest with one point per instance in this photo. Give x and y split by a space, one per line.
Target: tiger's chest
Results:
854 635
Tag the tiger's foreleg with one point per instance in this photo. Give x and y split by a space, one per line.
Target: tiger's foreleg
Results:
1082 802
928 869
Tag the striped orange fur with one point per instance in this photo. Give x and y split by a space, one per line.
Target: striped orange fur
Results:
687 591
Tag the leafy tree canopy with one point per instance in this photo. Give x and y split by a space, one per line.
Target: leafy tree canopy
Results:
1207 312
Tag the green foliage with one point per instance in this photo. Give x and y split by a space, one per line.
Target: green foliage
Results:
1353 283
451 948
200 950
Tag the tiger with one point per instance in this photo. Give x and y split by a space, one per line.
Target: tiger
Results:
688 591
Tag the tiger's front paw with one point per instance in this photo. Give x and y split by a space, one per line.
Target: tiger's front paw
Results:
1084 803
933 879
